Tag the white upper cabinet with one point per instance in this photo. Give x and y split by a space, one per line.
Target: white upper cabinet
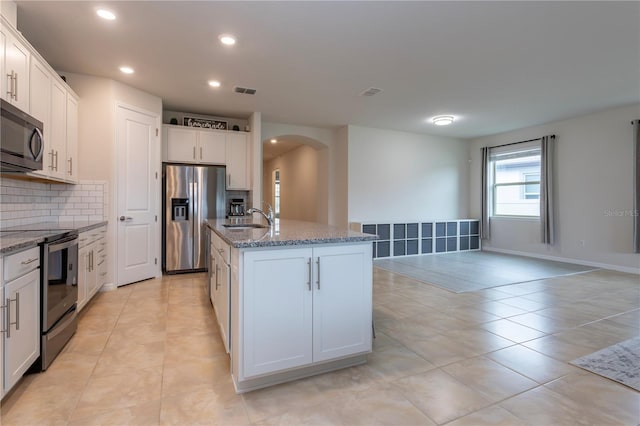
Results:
40 107
189 145
212 147
238 161
32 85
15 70
204 146
71 166
58 139
181 144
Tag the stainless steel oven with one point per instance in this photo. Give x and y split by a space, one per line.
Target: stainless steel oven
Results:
22 140
59 293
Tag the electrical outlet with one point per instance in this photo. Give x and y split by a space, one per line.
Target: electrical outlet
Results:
583 243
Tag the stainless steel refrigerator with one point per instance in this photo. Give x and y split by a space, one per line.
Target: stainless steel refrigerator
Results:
191 195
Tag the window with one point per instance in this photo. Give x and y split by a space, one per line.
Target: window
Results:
516 182
276 193
532 188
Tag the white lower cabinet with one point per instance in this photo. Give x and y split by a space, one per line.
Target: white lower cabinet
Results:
22 342
342 302
278 315
91 264
220 285
304 306
1 334
221 303
21 314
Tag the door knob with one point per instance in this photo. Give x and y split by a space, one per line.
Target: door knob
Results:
127 218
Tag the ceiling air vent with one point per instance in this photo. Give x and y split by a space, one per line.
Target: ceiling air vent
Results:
371 91
245 90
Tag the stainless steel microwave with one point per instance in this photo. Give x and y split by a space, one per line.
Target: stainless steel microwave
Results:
21 140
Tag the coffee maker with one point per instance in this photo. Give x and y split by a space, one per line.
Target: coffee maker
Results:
236 207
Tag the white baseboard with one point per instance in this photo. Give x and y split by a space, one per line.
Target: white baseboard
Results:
566 260
108 287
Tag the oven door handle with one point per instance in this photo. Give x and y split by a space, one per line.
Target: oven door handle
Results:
57 246
59 328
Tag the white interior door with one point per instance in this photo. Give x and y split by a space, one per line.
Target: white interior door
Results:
137 195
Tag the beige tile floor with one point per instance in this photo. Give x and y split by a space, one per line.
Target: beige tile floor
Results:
150 353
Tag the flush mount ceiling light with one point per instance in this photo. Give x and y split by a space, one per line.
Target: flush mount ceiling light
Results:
227 39
126 70
214 83
442 120
106 14
273 140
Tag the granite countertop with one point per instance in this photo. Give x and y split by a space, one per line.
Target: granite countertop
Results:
284 233
26 236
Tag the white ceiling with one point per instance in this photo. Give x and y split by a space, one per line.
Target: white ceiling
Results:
496 66
281 147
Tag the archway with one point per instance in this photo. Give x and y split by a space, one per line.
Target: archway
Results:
295 177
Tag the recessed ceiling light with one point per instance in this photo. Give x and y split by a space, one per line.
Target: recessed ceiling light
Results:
126 70
227 39
106 14
214 83
274 140
442 120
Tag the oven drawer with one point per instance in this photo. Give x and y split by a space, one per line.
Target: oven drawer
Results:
17 264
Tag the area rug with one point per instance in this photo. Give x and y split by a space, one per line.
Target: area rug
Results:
477 270
620 362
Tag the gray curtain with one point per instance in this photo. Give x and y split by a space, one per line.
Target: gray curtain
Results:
546 189
484 194
636 187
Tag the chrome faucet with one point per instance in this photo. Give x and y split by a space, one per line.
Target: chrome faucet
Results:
269 216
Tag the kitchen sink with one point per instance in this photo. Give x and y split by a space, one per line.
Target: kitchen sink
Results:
244 225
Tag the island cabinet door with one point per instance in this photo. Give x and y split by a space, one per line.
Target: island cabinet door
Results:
222 302
342 301
278 300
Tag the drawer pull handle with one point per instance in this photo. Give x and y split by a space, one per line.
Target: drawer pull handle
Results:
4 322
26 262
17 321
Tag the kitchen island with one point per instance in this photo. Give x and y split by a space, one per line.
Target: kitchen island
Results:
292 300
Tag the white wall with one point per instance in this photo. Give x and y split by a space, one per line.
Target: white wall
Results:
24 202
398 176
97 144
95 125
331 166
299 197
593 186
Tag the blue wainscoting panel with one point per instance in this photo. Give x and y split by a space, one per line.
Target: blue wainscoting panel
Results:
428 237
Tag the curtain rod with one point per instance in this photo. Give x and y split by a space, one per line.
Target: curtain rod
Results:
515 143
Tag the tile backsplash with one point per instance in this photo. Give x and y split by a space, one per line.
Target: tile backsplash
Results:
23 202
